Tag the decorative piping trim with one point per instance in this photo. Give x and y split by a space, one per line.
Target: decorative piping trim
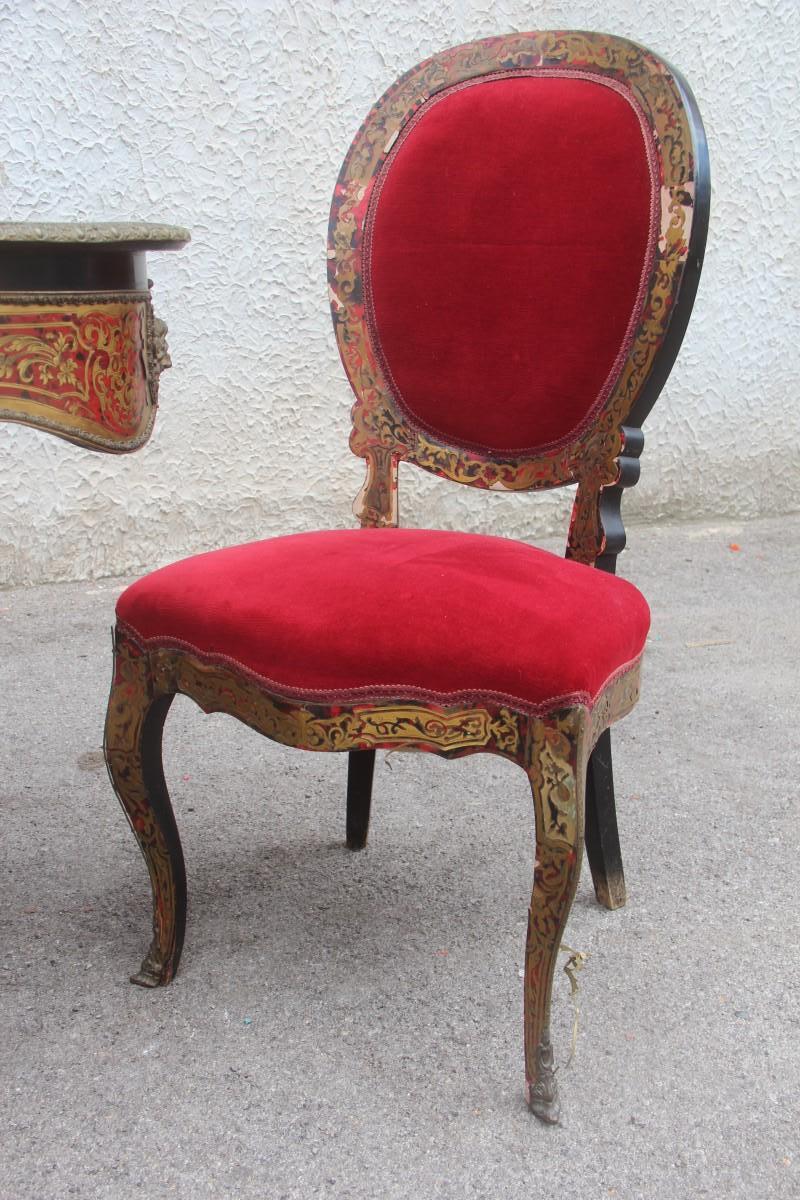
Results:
385 692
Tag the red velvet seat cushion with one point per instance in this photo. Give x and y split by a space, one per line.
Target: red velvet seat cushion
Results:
417 614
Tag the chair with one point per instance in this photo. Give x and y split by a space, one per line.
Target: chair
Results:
515 243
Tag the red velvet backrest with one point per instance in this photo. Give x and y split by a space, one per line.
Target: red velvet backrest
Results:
508 242
508 238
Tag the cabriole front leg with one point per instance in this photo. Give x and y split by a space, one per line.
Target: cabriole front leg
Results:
132 746
556 775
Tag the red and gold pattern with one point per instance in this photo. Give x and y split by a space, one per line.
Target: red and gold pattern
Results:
552 749
83 367
382 433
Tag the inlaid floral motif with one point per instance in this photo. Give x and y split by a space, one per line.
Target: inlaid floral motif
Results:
84 367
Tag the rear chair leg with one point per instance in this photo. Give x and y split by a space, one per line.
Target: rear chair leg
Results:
360 769
134 725
602 835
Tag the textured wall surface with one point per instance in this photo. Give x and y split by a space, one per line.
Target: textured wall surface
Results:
231 117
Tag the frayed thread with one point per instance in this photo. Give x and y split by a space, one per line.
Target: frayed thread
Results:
574 964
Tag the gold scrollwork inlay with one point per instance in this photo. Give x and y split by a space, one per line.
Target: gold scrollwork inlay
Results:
381 433
79 366
553 777
353 727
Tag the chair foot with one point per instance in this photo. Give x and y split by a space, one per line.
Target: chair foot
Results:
155 970
542 1096
610 892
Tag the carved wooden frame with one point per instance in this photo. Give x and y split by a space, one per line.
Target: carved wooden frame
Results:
552 745
595 458
81 349
84 367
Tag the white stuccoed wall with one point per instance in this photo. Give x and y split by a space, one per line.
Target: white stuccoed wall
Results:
232 117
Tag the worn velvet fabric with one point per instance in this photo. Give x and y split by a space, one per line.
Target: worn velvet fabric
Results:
507 239
378 613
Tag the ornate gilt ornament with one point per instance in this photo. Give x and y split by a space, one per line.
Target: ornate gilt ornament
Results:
85 367
542 1095
75 361
158 357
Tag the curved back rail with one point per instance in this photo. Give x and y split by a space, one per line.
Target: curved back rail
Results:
590 116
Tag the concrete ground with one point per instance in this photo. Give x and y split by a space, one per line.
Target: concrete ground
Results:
349 1025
